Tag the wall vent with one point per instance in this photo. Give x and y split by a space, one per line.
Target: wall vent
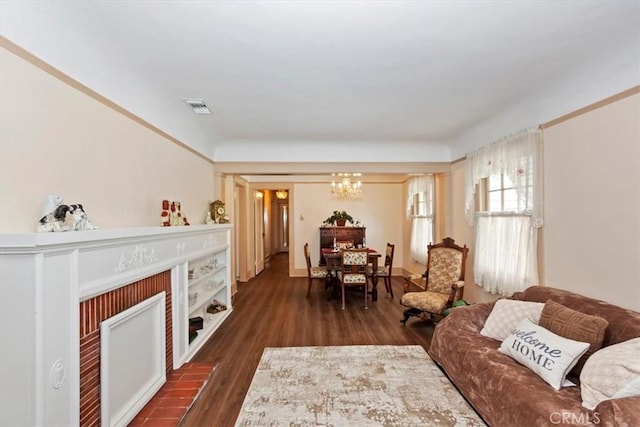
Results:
197 105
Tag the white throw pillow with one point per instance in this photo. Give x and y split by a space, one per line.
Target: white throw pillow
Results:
507 314
611 372
545 353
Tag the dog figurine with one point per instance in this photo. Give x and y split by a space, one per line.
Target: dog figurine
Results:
79 219
56 220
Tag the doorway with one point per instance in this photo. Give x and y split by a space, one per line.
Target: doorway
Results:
281 229
271 225
259 226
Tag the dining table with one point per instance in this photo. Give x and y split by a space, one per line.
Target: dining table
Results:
333 259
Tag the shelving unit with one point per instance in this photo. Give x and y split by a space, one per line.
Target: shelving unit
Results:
208 281
203 275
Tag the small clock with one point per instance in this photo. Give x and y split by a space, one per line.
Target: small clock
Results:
218 212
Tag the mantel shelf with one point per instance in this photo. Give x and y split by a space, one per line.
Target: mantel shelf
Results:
105 236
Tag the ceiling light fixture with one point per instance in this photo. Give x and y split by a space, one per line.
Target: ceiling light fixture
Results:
343 188
282 194
198 105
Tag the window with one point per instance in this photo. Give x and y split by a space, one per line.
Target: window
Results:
420 210
509 175
421 206
503 195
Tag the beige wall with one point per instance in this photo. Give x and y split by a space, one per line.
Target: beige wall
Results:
592 203
54 139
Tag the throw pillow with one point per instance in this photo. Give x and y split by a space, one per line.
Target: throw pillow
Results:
507 314
611 372
545 353
574 325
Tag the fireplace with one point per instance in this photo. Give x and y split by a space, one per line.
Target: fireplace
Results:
58 294
100 308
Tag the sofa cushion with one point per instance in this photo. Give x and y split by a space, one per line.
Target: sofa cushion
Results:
507 314
572 324
549 355
624 324
611 372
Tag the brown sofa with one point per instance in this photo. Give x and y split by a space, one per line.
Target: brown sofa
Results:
506 393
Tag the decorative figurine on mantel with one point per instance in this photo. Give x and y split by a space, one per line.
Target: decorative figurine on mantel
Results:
172 215
208 219
55 216
217 211
165 215
80 220
177 218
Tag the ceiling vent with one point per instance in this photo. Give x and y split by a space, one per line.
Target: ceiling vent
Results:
198 105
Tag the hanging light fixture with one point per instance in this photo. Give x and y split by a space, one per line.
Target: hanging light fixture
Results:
342 187
282 194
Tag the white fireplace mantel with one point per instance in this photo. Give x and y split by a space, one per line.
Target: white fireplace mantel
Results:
44 277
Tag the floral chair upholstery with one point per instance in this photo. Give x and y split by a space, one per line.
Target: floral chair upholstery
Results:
353 271
313 272
444 281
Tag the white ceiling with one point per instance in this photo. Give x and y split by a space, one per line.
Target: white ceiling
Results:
399 80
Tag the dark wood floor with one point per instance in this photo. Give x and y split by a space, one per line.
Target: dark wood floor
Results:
272 311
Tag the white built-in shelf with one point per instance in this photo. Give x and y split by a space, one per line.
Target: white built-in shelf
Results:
210 280
211 323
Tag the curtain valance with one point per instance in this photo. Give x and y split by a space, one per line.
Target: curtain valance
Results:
420 184
519 158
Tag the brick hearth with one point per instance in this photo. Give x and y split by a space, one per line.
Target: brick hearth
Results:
102 307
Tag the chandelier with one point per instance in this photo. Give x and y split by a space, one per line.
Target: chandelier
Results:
343 188
282 194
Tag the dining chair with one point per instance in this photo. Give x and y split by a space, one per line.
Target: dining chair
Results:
313 272
384 271
353 271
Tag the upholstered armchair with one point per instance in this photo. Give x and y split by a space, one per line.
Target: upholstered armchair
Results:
443 282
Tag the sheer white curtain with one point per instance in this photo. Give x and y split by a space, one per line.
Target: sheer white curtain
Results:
505 258
506 252
420 210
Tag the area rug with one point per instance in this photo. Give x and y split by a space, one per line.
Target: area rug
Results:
352 386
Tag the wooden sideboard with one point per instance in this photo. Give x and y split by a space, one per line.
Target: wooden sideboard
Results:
341 234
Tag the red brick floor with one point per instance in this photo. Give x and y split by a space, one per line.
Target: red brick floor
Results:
173 400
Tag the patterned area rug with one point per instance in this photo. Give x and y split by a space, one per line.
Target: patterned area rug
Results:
352 386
